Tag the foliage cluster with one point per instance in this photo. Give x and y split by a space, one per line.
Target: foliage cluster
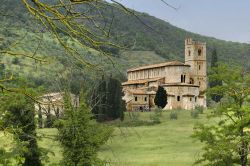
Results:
227 142
80 136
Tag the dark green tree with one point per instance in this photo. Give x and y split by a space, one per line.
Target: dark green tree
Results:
218 82
227 141
115 106
19 113
107 100
80 136
161 97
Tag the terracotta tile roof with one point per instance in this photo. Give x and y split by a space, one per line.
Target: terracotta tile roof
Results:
142 81
171 63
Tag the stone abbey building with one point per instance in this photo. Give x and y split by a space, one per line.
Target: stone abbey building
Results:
185 83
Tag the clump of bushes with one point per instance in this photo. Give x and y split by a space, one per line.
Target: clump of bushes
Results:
134 116
155 116
173 115
194 113
199 109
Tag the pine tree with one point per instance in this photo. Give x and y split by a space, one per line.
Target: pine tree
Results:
218 82
80 136
161 97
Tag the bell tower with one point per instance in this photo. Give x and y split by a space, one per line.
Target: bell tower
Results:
195 56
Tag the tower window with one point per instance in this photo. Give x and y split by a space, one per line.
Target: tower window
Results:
178 98
191 81
199 67
183 78
189 52
190 98
195 99
135 98
199 52
145 99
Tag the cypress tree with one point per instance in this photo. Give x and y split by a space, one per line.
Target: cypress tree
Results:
108 103
115 102
161 97
218 82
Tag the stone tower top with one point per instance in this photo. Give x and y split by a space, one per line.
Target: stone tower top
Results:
190 41
195 56
194 50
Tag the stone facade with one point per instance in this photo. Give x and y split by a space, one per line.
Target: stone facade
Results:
185 83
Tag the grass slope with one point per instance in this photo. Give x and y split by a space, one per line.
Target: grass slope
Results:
168 143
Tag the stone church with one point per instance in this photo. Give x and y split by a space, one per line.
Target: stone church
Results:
185 83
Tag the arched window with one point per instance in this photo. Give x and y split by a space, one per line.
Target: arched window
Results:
135 98
181 78
145 99
199 67
178 98
199 52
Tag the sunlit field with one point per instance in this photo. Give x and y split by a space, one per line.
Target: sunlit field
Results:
167 143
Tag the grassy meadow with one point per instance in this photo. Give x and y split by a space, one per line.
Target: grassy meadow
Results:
167 143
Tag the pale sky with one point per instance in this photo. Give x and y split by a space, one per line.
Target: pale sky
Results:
222 19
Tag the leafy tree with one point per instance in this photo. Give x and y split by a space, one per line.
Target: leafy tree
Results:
214 64
161 97
18 118
80 136
227 142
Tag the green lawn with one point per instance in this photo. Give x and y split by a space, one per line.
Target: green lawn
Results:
167 144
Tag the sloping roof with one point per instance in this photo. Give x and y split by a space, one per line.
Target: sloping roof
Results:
170 63
142 81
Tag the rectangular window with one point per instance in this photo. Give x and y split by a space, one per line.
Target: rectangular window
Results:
135 98
145 99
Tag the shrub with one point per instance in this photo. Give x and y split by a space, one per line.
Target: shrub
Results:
199 109
173 115
134 115
155 116
195 113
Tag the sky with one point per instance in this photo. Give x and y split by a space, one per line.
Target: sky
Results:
223 19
